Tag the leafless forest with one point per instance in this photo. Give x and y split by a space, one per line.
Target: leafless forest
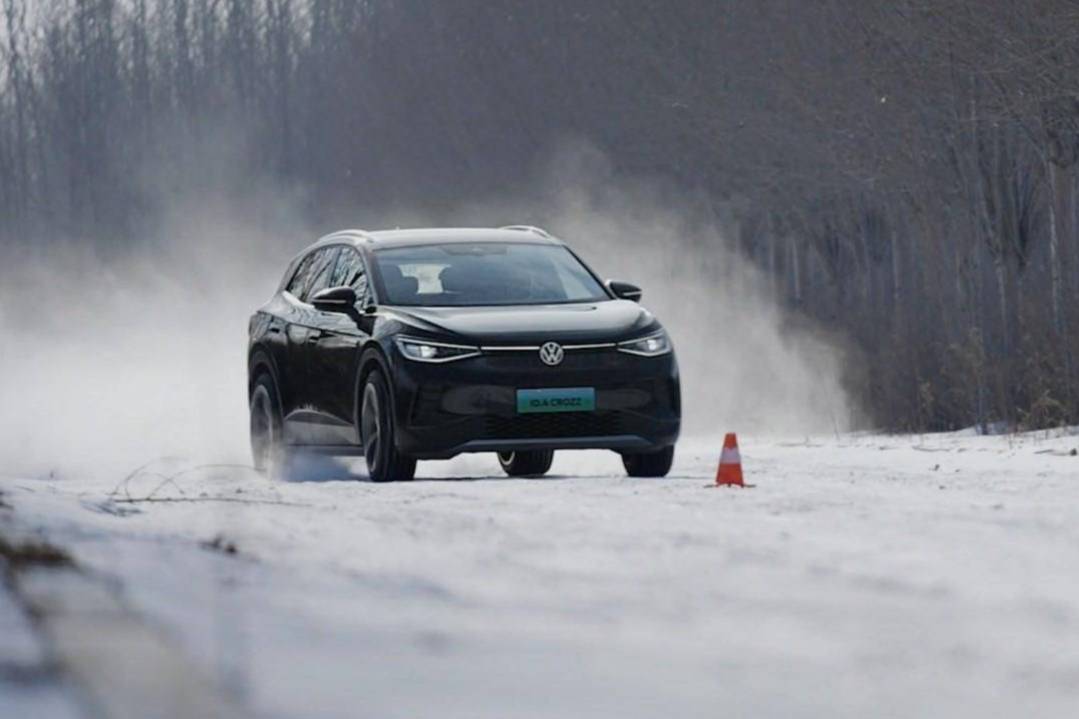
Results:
905 171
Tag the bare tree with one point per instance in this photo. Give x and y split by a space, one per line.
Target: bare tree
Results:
906 171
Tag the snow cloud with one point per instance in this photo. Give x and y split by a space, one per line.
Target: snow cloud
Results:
746 364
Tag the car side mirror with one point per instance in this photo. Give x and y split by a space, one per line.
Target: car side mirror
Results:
624 290
335 299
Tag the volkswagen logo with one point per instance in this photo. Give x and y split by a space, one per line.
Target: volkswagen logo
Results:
551 353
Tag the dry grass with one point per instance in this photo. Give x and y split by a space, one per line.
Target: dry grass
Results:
19 556
220 544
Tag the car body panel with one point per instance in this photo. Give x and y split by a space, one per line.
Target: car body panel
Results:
591 322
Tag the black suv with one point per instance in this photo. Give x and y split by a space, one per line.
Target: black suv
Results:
423 344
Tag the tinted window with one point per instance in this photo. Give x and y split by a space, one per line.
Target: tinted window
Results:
321 270
484 273
301 277
350 272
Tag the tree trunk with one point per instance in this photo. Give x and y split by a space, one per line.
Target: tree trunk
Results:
1000 269
1054 248
897 278
14 16
796 272
1073 255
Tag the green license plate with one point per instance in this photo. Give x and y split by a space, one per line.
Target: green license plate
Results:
573 399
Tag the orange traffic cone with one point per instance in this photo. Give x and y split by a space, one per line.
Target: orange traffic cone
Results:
729 473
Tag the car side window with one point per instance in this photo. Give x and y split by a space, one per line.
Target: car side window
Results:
299 281
321 270
350 272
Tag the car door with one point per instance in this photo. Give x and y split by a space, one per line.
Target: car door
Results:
335 351
303 425
293 361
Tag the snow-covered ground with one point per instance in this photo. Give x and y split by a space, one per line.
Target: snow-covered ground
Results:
862 576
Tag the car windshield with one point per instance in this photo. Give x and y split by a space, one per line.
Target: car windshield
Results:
484 273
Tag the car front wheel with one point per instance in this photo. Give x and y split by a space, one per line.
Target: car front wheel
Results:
532 463
649 464
377 428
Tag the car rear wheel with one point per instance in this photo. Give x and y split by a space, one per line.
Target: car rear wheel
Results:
377 428
649 464
532 463
268 449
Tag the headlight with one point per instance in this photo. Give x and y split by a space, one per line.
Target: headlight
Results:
427 351
650 346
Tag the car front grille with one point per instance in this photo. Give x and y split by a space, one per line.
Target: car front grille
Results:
605 359
495 406
565 424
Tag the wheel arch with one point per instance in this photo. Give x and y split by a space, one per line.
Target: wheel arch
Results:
372 357
260 361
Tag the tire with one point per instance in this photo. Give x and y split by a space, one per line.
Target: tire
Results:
269 452
532 463
378 433
649 464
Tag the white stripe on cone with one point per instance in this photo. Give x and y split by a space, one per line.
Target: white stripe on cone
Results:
730 456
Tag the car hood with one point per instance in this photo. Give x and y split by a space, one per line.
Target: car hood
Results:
608 321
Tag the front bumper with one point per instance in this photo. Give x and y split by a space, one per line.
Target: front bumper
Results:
471 405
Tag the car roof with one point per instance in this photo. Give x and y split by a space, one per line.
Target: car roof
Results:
521 234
